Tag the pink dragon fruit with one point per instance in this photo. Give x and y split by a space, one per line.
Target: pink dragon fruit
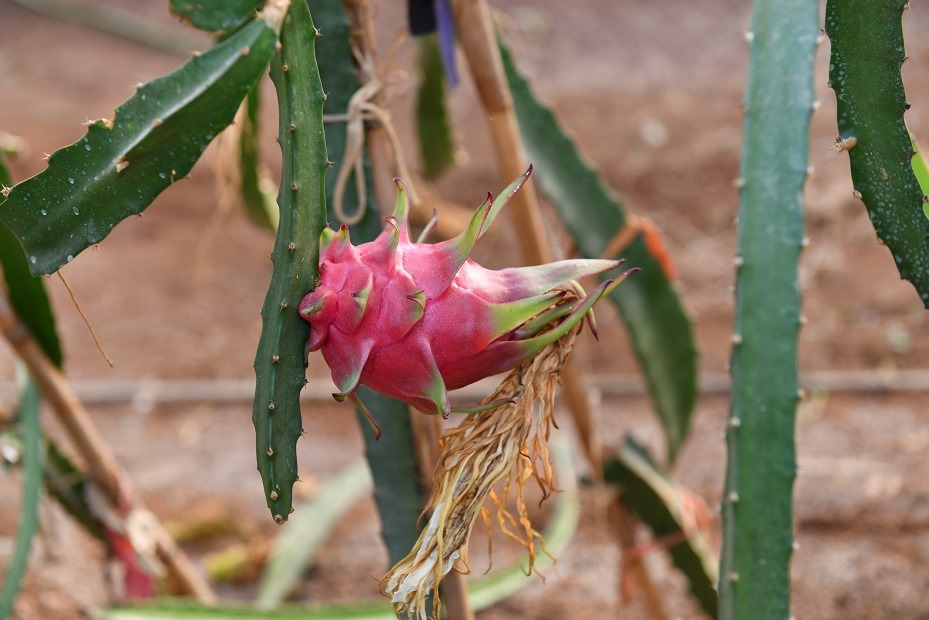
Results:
414 320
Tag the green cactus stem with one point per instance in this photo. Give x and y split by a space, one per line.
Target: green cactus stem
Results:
864 71
280 363
757 504
257 201
121 165
26 292
220 16
32 493
436 144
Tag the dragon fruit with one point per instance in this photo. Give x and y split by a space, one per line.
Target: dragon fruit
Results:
415 320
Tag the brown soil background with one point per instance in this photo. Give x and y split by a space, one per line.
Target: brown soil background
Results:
652 92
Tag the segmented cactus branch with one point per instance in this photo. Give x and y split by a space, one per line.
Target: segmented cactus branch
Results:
864 71
757 503
122 164
280 363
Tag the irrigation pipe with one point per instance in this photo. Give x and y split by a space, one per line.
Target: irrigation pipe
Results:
145 393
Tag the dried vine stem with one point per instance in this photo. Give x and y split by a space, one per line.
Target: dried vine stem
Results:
509 445
103 469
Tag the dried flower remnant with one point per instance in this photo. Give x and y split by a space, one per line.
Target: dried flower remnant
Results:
507 444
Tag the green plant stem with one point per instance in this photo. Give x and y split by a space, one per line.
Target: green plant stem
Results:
436 146
864 71
121 165
757 507
280 363
32 493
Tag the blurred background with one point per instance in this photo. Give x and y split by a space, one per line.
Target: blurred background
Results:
652 93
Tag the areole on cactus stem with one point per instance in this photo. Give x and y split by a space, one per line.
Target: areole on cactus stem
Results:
415 320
